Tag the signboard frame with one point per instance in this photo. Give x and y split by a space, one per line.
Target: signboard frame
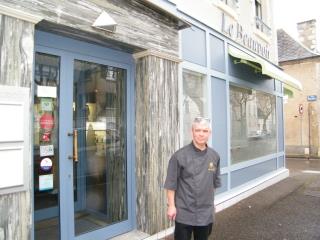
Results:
15 147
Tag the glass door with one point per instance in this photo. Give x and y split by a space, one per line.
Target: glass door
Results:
82 164
100 159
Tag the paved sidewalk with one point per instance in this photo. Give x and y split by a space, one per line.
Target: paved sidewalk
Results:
288 210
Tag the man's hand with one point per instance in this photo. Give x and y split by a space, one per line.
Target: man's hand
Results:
172 212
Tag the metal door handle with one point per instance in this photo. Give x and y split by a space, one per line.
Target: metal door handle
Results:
75 145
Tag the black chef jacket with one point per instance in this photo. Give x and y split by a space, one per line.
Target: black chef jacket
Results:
193 175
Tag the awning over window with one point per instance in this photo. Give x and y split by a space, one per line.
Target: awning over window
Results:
266 67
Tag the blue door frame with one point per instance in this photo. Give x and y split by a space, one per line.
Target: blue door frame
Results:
68 50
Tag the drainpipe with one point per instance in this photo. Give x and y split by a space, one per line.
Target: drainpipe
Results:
309 128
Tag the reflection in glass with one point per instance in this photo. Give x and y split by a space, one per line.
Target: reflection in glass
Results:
100 118
194 85
45 147
253 124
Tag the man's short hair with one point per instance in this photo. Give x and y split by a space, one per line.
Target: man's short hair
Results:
202 121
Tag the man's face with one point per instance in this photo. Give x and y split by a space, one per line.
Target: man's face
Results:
200 134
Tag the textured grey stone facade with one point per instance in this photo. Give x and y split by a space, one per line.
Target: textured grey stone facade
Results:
140 28
16 54
157 137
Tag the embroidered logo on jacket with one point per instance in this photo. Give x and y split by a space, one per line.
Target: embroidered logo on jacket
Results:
211 167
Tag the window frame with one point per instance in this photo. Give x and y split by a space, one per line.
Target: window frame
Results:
260 23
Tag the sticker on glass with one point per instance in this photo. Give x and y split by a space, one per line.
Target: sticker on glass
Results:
46 137
46 91
46 104
47 150
46 164
45 182
47 121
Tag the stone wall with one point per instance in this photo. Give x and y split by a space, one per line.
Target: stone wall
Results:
302 130
16 67
157 137
139 27
308 34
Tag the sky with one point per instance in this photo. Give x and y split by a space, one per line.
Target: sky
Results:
287 13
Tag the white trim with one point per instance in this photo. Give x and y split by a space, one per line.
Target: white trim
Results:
208 91
311 171
162 234
151 52
134 234
224 201
252 162
194 67
19 14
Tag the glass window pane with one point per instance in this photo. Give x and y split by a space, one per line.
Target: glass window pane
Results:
194 100
100 184
45 146
253 124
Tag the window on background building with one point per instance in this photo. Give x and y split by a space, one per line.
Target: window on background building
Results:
258 9
194 100
253 124
260 23
231 3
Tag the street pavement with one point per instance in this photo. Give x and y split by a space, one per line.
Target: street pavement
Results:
288 210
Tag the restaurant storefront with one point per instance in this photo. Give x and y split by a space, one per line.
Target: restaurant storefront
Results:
99 94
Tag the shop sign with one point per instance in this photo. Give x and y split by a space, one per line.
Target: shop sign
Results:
312 98
236 32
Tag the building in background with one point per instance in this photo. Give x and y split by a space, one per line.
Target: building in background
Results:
300 58
97 95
